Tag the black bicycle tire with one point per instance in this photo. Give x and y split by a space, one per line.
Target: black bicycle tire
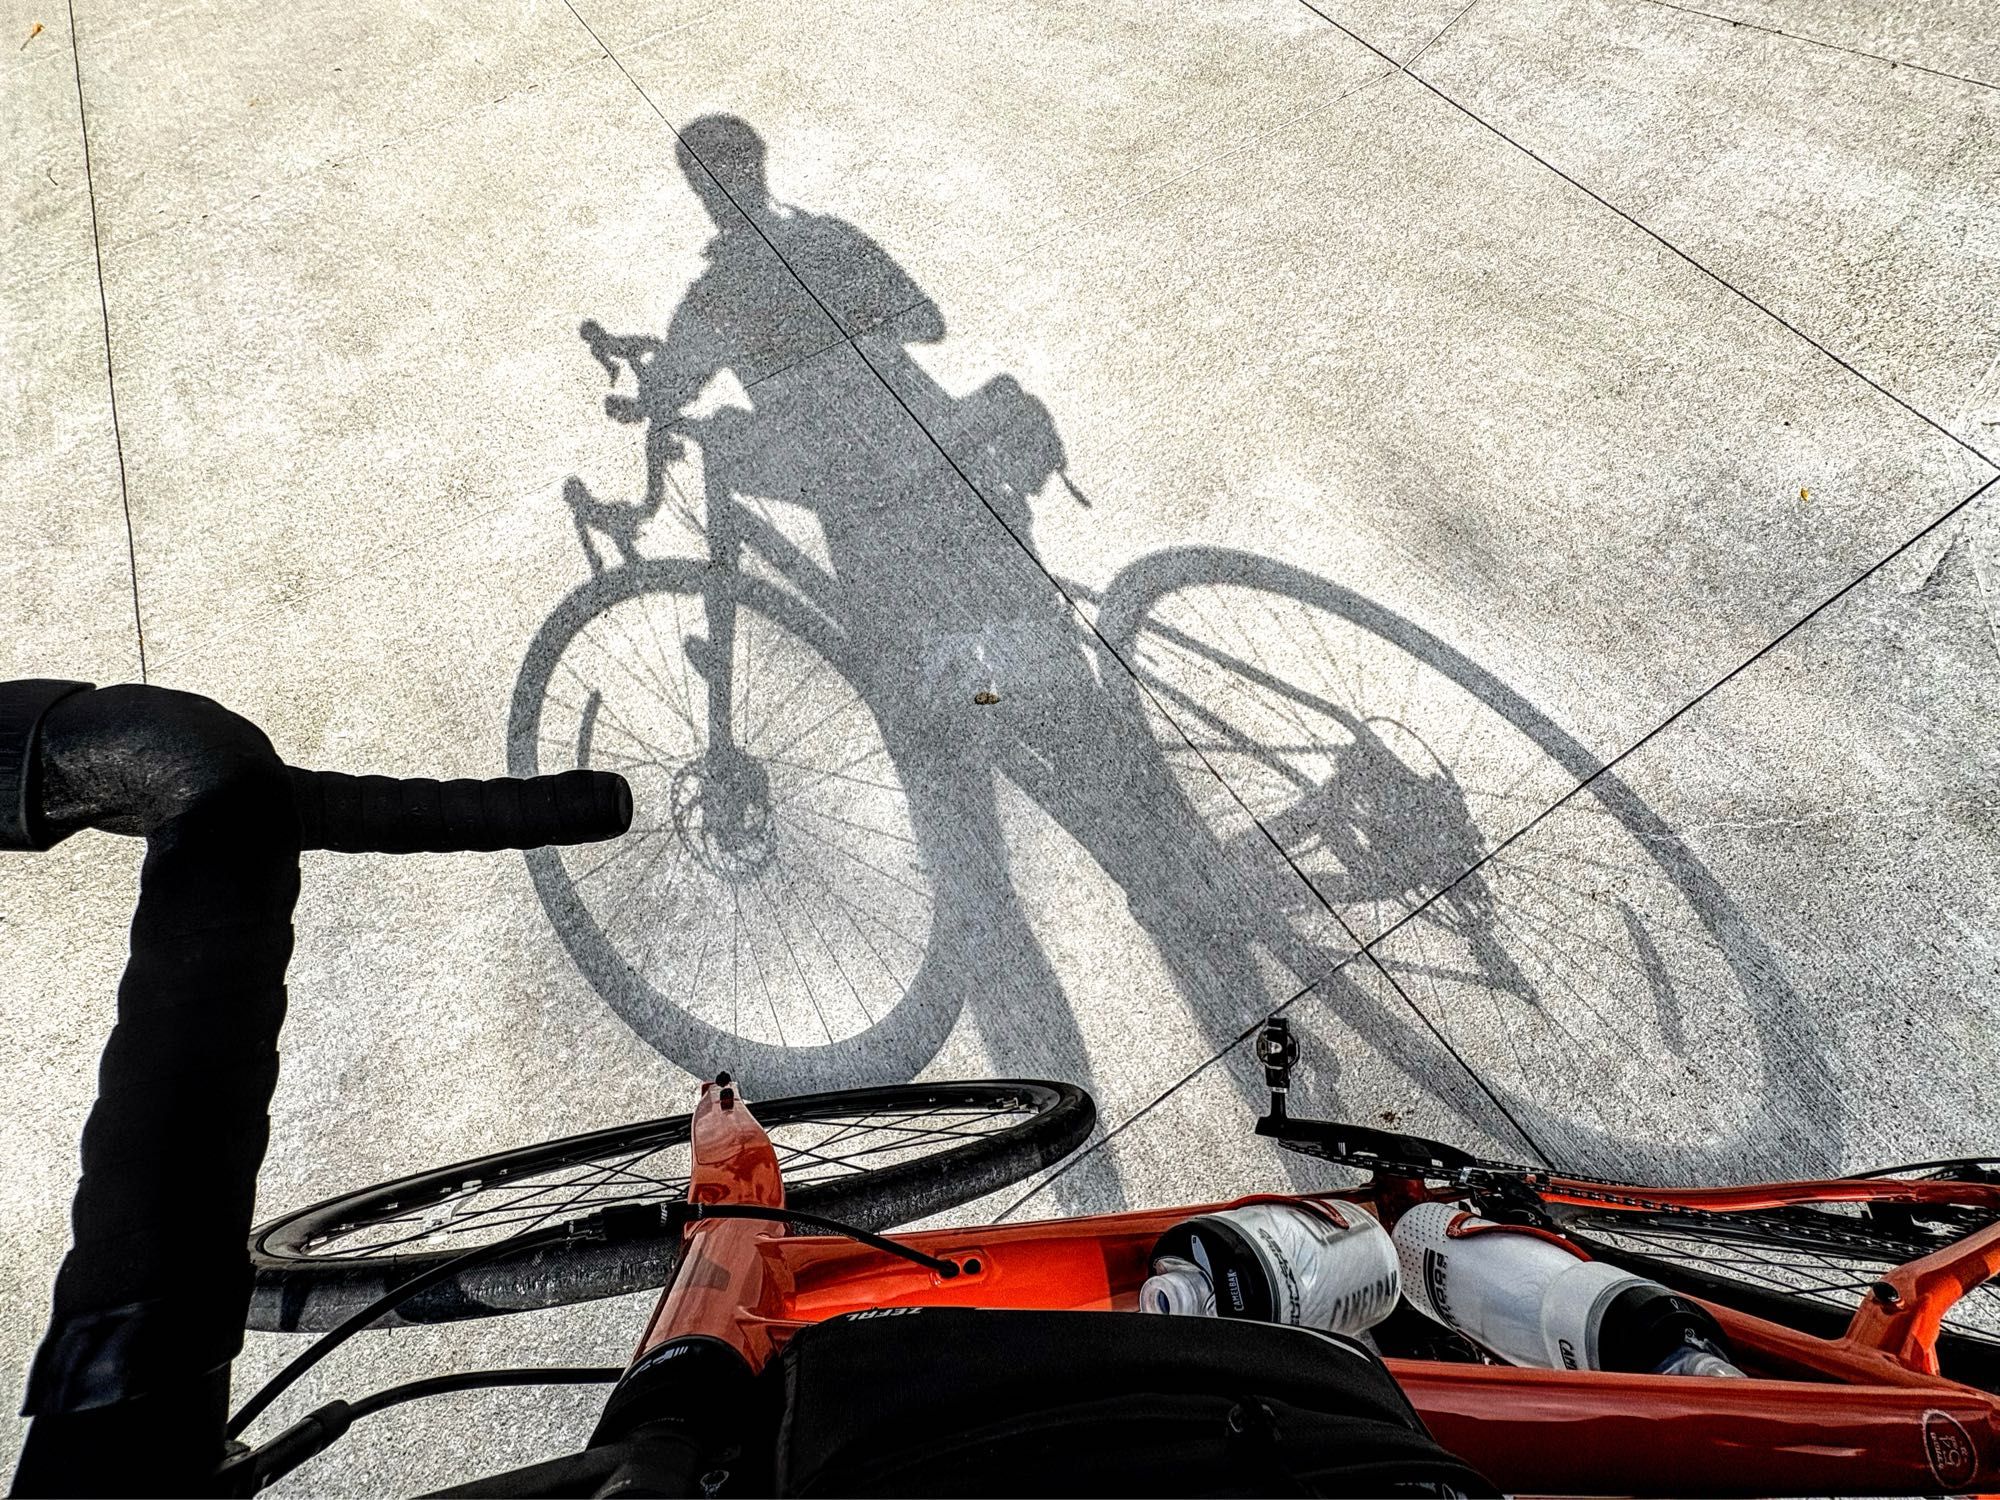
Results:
1944 1169
1975 1362
896 1047
297 1293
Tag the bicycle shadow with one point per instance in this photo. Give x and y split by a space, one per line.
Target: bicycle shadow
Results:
834 705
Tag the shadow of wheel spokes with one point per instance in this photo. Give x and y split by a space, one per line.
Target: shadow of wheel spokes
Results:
1592 971
773 912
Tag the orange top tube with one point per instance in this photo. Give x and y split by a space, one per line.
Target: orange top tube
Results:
1863 1414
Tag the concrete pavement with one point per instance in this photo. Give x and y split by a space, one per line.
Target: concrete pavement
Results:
1466 515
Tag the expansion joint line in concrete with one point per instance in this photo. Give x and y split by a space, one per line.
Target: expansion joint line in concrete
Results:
1611 765
1362 950
842 342
1653 234
1368 949
1089 625
1438 35
104 313
1813 41
1365 951
1064 1168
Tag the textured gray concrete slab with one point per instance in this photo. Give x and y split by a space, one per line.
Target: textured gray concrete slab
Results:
67 577
200 109
625 25
1954 37
1402 31
1850 197
1951 36
1424 482
955 138
1072 521
1829 817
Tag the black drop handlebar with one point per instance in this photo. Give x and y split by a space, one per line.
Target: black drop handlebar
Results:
411 815
129 1388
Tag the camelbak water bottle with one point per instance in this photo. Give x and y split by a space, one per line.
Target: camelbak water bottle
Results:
1315 1264
1532 1301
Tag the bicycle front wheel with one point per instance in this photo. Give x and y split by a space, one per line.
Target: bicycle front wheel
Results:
874 1158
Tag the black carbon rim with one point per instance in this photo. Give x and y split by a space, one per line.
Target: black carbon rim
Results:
1808 1268
874 1157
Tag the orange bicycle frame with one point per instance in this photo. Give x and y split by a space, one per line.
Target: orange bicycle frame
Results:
1863 1414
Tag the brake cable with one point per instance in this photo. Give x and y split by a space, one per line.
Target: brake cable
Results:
341 1332
945 1270
252 1469
616 1224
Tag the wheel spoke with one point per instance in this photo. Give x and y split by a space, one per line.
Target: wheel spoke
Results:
811 1149
1828 1255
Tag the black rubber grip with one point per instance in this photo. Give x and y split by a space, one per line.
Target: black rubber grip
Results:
390 815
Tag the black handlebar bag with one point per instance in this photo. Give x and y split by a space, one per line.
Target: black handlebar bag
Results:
966 1401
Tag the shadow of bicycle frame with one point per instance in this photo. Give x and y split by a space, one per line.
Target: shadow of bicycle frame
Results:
829 714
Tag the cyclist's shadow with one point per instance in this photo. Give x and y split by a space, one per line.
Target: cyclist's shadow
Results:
921 604
852 711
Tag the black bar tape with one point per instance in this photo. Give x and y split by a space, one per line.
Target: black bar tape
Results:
22 707
390 815
127 1388
183 1090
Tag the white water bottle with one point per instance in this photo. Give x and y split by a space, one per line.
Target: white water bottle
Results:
1315 1264
1533 1301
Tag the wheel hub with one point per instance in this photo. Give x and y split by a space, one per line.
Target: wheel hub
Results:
722 814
